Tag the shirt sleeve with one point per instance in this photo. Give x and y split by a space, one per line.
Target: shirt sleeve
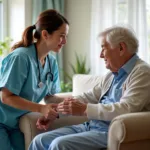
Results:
56 81
13 73
91 96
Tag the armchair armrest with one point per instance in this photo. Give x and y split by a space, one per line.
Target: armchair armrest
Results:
130 129
27 125
29 129
65 94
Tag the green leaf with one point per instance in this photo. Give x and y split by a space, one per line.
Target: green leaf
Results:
5 45
66 74
73 69
78 68
66 87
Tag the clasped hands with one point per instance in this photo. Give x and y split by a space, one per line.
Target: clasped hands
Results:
72 106
51 112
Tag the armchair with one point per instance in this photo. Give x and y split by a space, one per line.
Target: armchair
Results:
126 132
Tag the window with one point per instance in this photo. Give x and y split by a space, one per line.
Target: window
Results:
106 13
1 25
148 21
122 11
1 18
125 15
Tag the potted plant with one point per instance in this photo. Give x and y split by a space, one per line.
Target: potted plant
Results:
5 46
78 68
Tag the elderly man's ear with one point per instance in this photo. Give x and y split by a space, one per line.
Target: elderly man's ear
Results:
123 48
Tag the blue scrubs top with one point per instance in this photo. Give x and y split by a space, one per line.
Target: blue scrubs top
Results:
19 74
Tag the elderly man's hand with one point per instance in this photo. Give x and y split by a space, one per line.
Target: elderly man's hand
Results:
72 106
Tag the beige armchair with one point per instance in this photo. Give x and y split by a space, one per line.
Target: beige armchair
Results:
126 132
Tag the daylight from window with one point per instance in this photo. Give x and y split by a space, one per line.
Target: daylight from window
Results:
122 16
148 21
1 20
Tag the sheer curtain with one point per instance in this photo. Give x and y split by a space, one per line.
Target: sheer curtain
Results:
106 13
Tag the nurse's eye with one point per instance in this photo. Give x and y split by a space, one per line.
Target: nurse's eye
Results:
63 36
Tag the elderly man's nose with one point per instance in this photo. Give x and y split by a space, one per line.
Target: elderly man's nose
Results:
101 54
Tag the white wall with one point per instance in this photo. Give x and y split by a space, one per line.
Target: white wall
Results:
78 13
19 17
28 13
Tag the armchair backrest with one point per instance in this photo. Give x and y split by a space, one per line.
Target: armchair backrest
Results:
83 82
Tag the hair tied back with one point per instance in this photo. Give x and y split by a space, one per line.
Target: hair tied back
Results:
34 27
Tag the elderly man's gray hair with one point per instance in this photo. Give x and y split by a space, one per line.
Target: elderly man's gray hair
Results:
118 34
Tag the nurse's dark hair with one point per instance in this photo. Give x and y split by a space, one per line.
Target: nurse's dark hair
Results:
49 20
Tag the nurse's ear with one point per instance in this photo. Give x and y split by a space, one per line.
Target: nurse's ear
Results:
44 34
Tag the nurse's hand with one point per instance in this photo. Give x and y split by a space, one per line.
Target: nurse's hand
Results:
49 111
43 123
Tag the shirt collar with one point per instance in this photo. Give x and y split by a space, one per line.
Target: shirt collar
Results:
128 66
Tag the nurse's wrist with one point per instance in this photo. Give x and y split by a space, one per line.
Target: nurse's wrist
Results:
39 108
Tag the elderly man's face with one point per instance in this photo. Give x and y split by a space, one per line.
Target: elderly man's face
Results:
110 55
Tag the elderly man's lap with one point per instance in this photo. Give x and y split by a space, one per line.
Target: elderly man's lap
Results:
75 137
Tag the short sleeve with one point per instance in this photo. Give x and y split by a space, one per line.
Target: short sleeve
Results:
56 82
13 73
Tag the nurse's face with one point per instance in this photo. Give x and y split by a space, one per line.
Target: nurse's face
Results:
58 38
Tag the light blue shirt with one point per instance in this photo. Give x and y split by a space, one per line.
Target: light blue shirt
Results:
114 94
19 74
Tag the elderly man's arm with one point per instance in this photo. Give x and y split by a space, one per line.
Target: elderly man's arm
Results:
135 98
77 105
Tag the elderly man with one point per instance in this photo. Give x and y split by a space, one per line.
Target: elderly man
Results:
125 89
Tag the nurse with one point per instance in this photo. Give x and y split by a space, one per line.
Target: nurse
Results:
29 74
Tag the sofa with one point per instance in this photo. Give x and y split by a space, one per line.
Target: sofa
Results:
126 132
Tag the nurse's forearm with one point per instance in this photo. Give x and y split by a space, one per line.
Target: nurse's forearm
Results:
20 103
57 98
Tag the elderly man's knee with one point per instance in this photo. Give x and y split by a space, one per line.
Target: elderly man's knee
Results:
39 139
60 143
